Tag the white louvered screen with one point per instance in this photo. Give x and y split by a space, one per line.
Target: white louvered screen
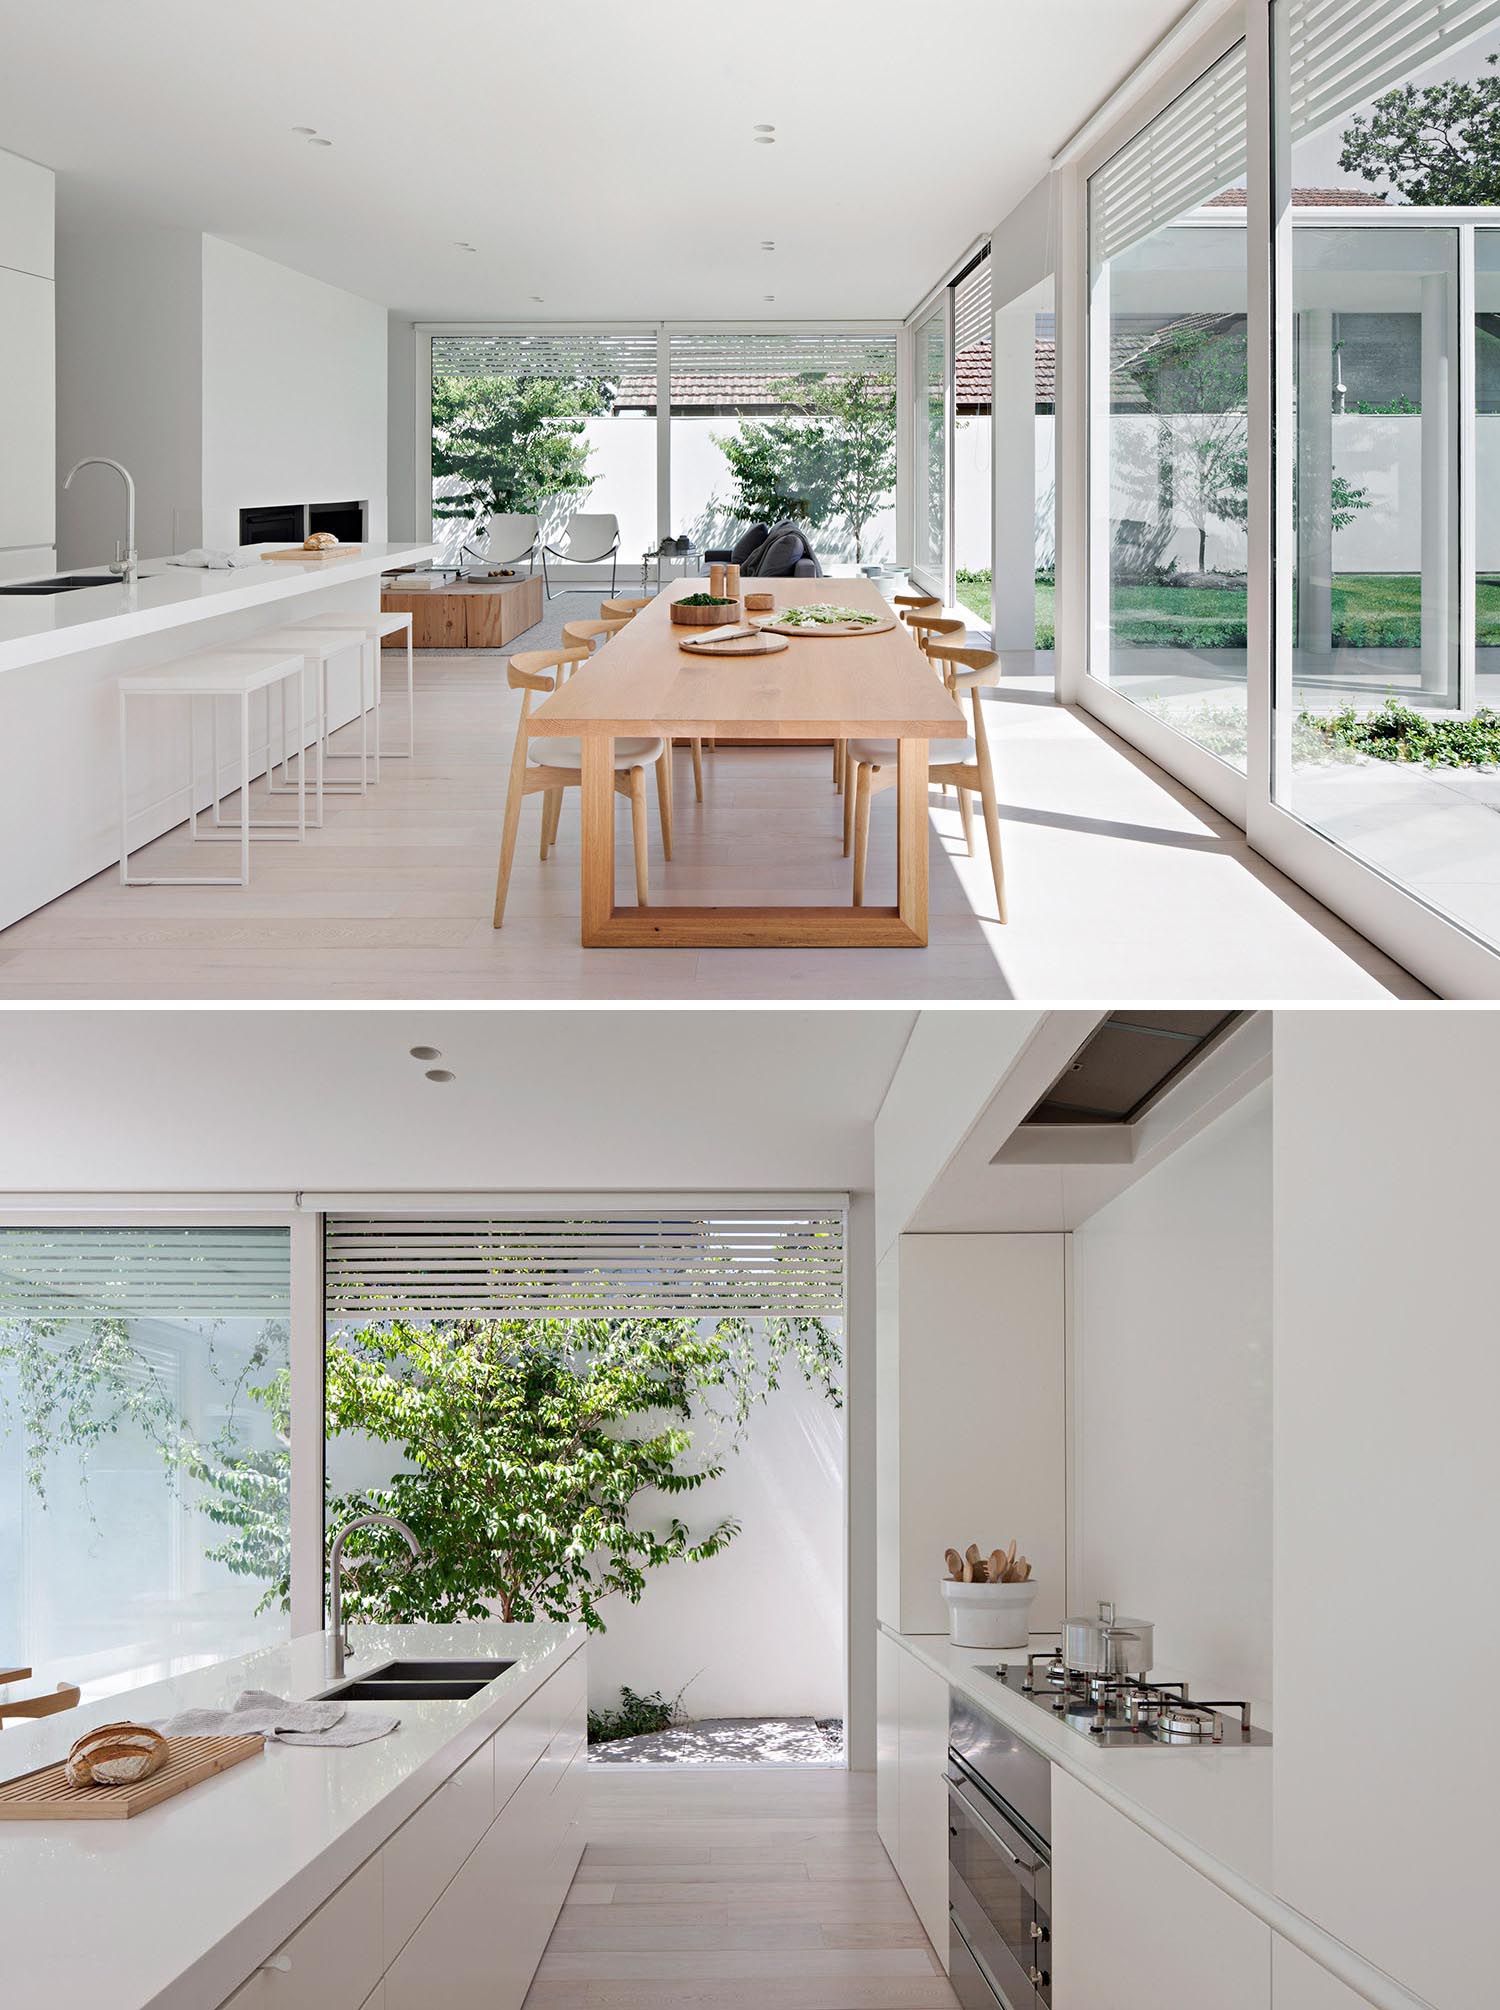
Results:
973 317
136 1273
1342 53
666 1266
571 354
1193 149
728 372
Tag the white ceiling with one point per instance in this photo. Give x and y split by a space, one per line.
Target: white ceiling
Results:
599 156
542 1101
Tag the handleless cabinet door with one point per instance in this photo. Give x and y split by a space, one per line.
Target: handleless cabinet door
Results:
888 1659
424 1855
1136 1928
922 1817
28 459
333 1962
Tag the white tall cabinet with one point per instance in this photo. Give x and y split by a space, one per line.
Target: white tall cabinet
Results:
970 1377
28 369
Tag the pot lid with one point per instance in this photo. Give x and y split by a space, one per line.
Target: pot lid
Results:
1107 1620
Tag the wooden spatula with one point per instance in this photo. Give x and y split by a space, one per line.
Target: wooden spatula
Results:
955 1564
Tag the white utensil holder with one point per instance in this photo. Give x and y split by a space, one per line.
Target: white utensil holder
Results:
989 1615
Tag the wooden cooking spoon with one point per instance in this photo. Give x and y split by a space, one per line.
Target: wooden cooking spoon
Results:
996 1566
955 1564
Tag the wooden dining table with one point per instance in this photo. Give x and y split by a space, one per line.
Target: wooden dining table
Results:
820 689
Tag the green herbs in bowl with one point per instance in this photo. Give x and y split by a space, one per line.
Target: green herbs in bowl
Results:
704 600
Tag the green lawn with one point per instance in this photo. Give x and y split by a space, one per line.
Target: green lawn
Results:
1370 611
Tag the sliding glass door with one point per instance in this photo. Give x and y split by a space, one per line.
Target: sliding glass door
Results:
1167 405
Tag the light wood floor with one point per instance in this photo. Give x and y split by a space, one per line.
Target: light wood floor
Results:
740 1891
1121 885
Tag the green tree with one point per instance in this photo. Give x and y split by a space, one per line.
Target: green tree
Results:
832 457
1438 145
510 443
528 1445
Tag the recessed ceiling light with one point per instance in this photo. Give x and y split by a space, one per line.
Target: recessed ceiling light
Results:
768 296
762 129
768 244
425 1053
306 131
537 298
320 143
440 1075
765 139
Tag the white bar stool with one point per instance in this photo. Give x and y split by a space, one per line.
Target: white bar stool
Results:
216 674
374 627
319 646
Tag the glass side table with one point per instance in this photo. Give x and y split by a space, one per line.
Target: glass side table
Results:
690 560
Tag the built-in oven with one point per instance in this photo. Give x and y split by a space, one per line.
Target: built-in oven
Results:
999 1864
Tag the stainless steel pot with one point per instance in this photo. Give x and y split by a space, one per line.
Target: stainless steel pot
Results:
1107 1645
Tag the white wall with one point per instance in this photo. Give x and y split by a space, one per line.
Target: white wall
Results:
1171 1405
294 391
1387 1503
759 1629
129 371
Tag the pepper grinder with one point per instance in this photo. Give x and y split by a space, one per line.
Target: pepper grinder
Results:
731 582
716 581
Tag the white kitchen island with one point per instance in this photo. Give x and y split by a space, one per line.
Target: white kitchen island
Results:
60 657
425 1867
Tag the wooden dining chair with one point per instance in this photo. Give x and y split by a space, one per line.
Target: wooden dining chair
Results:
613 616
63 1697
928 627
614 610
546 767
964 763
915 600
576 633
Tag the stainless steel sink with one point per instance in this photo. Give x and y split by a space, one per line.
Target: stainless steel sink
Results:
70 582
416 1682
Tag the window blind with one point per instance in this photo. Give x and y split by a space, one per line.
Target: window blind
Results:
1342 53
725 372
586 1266
973 333
1192 149
569 354
129 1273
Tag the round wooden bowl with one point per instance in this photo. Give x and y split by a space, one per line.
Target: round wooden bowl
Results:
706 617
760 603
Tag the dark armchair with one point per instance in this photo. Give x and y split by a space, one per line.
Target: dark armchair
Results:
779 553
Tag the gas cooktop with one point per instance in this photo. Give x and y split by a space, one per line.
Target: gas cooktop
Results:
1122 1710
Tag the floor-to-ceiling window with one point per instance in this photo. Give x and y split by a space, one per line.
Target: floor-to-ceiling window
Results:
974 438
930 465
1388 167
1167 411
144 1448
544 424
628 1419
793 425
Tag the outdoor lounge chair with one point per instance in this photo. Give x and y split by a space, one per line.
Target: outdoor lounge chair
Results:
587 540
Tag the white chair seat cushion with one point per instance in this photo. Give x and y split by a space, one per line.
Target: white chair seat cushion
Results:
940 753
560 753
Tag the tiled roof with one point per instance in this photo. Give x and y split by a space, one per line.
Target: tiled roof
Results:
1308 198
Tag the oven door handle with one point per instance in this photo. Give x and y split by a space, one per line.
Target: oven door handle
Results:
956 1793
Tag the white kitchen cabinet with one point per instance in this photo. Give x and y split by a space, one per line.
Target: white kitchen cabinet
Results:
1298 1983
333 1962
922 1797
971 1437
520 1742
1386 1390
1136 1928
27 561
425 1854
28 463
27 198
888 1659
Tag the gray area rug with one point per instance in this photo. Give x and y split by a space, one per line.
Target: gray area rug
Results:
740 1741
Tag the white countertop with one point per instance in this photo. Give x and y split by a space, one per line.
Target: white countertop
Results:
1211 1804
36 627
174 1907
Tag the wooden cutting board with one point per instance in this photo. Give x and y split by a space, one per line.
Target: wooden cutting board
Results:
737 645
45 1796
323 551
830 628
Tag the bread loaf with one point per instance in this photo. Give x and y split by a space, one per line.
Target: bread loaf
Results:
114 1755
321 540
